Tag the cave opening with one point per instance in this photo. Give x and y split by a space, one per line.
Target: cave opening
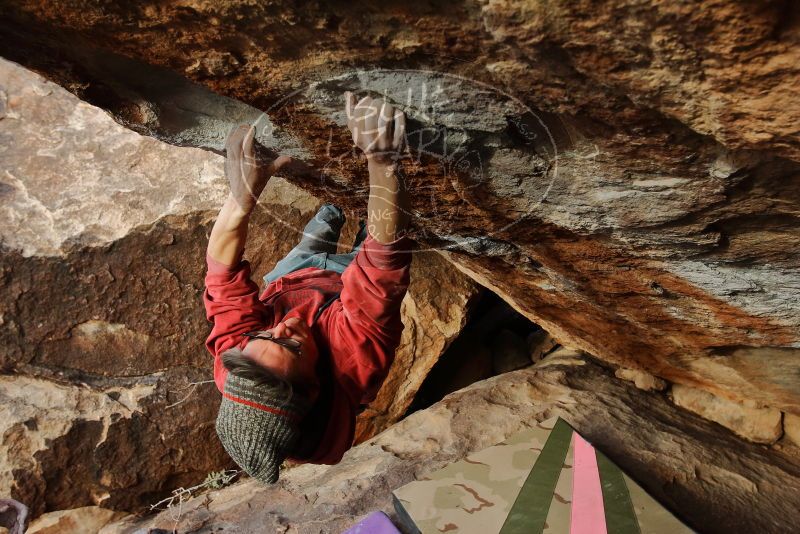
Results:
496 339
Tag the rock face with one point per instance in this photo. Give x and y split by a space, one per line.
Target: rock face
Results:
108 397
88 519
625 174
762 425
791 427
681 459
103 335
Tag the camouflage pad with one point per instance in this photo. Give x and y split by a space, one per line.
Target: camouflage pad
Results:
502 490
477 491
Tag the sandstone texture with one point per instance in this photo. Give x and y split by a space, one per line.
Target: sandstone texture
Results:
791 428
540 343
625 173
641 379
106 395
685 461
87 520
101 336
762 425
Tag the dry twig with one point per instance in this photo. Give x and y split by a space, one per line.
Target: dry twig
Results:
192 385
214 480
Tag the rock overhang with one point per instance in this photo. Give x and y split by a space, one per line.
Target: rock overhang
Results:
665 240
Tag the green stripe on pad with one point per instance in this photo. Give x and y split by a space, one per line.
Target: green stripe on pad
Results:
620 515
529 512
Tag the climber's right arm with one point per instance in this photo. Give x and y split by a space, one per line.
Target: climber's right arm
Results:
247 174
231 297
229 234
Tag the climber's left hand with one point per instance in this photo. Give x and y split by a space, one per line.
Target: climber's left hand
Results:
377 128
248 166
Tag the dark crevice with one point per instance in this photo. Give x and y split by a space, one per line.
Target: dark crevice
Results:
496 339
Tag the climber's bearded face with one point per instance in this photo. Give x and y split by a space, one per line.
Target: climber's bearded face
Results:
296 366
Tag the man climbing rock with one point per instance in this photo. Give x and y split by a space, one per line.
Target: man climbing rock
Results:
296 363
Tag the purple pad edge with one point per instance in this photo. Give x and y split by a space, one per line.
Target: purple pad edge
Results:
374 523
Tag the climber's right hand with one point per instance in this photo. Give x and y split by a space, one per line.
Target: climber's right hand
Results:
248 166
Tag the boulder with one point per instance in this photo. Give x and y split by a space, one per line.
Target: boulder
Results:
621 175
681 459
624 176
641 379
540 344
107 397
102 245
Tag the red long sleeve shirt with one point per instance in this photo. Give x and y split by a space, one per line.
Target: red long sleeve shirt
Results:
357 334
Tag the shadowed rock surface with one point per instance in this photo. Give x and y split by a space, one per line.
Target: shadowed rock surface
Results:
684 461
106 394
625 173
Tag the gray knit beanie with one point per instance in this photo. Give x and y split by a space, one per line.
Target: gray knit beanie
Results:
258 426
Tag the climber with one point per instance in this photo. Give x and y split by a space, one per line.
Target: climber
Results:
295 364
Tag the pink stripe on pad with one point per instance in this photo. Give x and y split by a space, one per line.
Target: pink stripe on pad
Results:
588 515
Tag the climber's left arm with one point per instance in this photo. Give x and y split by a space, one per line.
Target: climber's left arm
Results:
368 327
378 129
